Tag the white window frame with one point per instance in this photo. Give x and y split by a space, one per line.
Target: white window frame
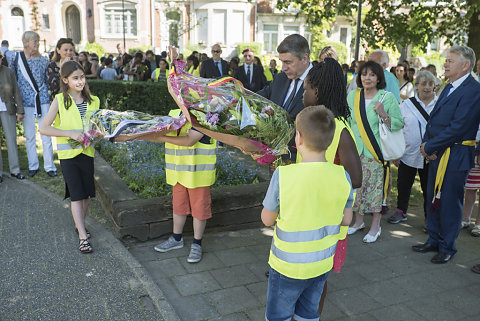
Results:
112 7
269 34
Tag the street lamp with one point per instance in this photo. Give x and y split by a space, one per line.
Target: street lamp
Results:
359 23
123 24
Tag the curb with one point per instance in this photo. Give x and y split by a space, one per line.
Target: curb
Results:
155 293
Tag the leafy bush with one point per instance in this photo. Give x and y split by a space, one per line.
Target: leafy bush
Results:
141 165
148 97
255 46
95 47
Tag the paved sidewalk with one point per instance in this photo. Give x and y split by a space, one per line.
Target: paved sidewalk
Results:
44 276
382 281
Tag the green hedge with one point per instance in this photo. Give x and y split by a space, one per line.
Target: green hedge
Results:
148 97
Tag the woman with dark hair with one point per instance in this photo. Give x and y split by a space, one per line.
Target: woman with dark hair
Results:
234 62
84 60
406 87
324 85
192 66
373 104
64 51
258 62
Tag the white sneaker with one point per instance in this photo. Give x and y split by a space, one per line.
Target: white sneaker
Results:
370 239
169 245
195 253
353 230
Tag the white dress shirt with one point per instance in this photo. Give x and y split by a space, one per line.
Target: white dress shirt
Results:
300 83
413 131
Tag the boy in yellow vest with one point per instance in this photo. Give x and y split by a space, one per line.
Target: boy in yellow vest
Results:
190 159
308 201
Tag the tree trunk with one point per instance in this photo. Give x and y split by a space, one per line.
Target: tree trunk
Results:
474 31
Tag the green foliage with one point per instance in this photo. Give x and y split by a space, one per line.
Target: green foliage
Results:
255 46
189 49
320 41
95 47
148 97
395 23
143 48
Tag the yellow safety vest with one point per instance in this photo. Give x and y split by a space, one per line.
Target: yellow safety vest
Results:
308 224
194 72
333 147
70 119
157 73
191 166
268 74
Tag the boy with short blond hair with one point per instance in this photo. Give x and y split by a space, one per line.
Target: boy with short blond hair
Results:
309 202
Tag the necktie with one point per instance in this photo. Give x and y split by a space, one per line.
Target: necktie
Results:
219 70
445 92
248 74
290 98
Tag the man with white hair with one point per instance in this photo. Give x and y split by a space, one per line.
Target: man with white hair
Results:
381 58
449 145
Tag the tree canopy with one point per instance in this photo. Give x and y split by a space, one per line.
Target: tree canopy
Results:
396 23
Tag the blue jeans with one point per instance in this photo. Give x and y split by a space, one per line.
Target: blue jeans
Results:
288 297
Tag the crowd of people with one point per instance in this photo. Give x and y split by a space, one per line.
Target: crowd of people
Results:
338 111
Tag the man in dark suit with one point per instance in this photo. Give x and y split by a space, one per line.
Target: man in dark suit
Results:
152 62
286 89
214 67
449 144
250 74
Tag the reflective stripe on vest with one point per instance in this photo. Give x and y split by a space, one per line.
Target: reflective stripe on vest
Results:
303 258
192 166
189 152
304 248
70 119
307 236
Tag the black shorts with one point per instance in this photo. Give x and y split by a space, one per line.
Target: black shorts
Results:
78 176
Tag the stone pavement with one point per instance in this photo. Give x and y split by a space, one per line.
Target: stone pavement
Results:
44 276
381 281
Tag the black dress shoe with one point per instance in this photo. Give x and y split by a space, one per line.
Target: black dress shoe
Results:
32 172
52 173
18 175
424 248
441 258
1 179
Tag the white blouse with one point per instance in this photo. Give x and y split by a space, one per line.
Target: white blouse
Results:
413 131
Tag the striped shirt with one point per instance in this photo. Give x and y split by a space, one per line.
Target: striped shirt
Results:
82 108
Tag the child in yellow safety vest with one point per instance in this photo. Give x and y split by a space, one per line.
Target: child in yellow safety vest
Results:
161 73
308 216
68 110
190 159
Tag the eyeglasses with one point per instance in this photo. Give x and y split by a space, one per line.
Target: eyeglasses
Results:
216 51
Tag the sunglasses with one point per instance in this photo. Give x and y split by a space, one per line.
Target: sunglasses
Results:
216 51
245 56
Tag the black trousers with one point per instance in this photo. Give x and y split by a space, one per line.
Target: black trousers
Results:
406 178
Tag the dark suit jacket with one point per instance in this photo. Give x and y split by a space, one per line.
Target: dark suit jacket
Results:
454 119
276 92
258 79
209 70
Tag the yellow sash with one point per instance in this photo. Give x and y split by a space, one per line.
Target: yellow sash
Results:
442 168
368 144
